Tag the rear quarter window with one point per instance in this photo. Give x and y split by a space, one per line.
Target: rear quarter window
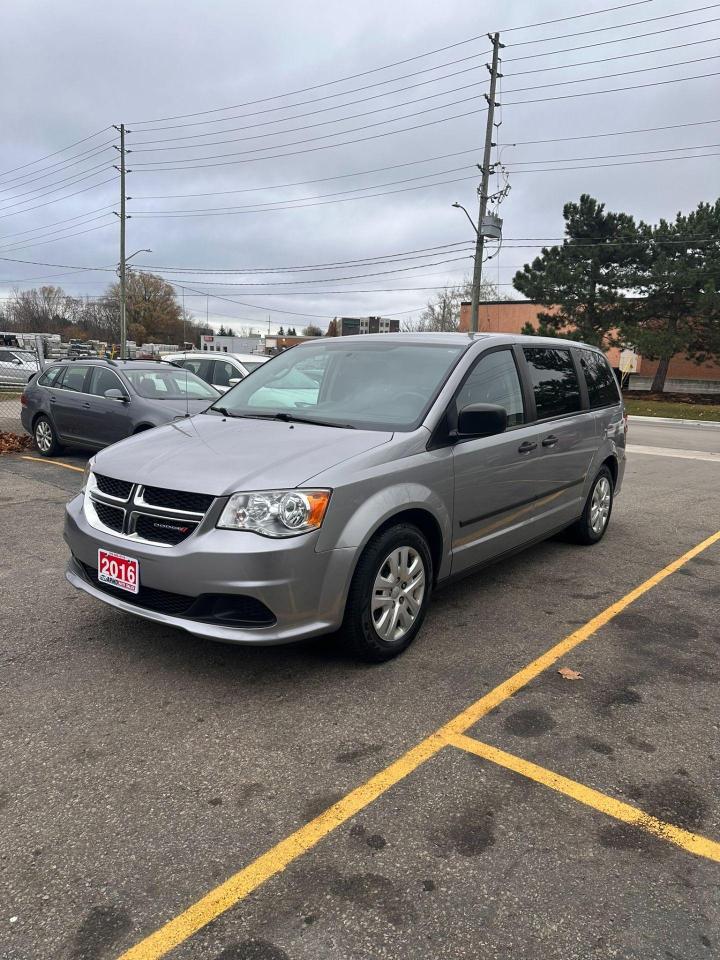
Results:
601 383
51 377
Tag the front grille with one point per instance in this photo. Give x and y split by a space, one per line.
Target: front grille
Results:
113 488
112 517
176 499
162 529
225 609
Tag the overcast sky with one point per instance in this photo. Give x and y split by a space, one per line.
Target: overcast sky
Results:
69 69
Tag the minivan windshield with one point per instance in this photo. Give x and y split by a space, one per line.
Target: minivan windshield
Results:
372 385
169 384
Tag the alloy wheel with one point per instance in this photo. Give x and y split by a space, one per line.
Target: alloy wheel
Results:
43 436
397 594
600 505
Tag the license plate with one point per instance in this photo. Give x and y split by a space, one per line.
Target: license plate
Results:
118 571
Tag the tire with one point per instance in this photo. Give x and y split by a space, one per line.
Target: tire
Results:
593 523
382 617
46 439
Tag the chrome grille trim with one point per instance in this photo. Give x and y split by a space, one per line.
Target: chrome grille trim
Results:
132 508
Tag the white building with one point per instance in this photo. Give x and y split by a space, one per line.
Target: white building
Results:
217 344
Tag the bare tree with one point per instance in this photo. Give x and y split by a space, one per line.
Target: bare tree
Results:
442 313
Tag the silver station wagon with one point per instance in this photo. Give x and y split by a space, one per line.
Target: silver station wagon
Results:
345 480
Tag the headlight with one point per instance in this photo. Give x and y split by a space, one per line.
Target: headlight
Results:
86 473
276 513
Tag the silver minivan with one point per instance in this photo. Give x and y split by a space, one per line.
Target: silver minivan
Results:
347 479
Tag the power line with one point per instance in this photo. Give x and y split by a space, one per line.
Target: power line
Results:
410 163
624 163
29 246
144 148
613 133
604 43
55 223
622 56
576 16
405 103
41 192
54 168
396 63
291 205
94 186
283 283
59 266
162 166
55 153
358 190
361 261
305 183
619 26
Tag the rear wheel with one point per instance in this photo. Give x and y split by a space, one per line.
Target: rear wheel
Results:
389 594
46 438
593 523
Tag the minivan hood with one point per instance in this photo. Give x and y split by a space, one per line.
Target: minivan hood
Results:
216 455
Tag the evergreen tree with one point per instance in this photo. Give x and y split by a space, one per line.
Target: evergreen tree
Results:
677 281
584 278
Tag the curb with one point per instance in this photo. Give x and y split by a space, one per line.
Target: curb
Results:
686 423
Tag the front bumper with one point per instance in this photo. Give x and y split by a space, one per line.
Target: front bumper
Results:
304 589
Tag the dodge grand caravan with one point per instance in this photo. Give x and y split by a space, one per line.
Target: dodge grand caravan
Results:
338 486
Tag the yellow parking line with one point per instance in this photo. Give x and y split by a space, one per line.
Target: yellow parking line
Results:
277 858
692 842
54 463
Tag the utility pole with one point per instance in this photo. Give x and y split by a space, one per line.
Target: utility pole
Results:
484 182
122 265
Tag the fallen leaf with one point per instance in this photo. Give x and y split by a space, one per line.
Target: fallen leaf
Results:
568 674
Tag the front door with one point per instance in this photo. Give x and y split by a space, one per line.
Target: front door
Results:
495 477
106 420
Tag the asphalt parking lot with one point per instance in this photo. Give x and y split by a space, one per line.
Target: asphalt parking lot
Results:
162 795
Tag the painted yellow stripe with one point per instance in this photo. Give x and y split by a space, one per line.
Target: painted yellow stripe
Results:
278 857
463 721
273 861
692 842
54 463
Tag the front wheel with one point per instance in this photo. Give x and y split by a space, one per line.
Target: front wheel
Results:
389 594
593 523
45 438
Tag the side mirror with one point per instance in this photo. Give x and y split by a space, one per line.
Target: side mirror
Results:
17 363
481 420
234 381
116 394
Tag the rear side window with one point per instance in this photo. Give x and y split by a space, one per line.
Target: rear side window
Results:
494 379
50 377
601 382
554 382
74 378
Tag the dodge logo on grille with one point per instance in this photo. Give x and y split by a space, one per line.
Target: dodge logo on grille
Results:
170 526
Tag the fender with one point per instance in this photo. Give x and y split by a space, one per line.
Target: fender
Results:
372 511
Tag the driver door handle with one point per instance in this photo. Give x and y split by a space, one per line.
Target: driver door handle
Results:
527 446
86 406
550 441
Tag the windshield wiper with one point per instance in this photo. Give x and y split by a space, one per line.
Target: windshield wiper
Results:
224 411
286 417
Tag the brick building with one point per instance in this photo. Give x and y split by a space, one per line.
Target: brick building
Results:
510 316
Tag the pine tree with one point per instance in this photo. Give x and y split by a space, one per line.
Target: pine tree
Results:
677 280
584 278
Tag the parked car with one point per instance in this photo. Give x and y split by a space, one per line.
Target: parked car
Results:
222 370
413 459
93 403
16 367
